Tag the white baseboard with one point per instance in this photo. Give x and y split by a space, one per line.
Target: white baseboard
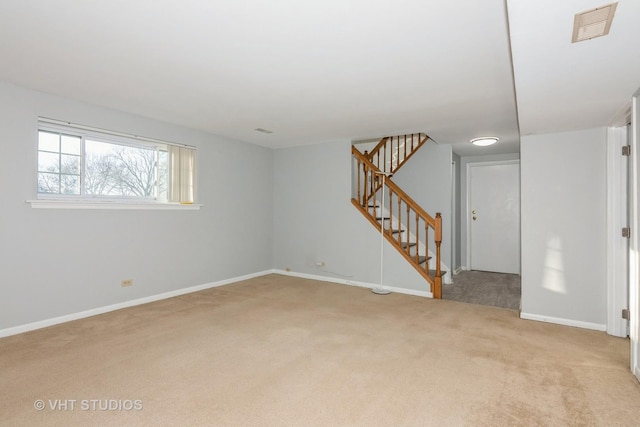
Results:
565 322
139 301
405 291
458 270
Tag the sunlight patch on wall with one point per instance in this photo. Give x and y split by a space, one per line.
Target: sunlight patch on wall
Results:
554 278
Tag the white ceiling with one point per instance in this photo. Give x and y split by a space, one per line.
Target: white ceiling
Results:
318 71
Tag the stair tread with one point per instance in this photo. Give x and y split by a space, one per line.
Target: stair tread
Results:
421 258
404 245
433 273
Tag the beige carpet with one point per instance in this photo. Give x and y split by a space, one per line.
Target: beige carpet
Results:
282 351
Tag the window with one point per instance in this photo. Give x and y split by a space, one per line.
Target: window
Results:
86 164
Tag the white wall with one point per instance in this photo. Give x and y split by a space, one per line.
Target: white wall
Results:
314 220
563 193
59 262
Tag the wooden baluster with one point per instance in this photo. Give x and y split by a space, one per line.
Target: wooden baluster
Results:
390 148
374 183
400 221
391 151
372 189
398 152
388 167
426 244
381 213
390 211
384 166
360 201
408 248
417 235
384 150
365 201
374 192
395 156
367 194
405 147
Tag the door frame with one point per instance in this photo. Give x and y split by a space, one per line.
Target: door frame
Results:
454 219
469 207
634 256
618 204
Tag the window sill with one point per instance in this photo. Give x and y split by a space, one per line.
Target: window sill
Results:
83 204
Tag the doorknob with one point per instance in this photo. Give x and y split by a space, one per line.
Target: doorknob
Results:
474 217
473 212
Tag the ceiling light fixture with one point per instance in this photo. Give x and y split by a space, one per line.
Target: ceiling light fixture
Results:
593 23
485 141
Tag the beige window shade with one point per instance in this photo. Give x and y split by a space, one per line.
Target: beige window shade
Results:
182 164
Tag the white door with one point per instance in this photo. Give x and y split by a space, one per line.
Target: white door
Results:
494 216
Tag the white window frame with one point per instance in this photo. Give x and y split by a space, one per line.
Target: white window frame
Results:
84 201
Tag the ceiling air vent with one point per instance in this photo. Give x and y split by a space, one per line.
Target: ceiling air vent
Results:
261 130
593 23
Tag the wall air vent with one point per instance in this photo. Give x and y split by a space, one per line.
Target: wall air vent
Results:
593 23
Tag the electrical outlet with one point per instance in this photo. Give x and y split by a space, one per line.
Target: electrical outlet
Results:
320 264
126 282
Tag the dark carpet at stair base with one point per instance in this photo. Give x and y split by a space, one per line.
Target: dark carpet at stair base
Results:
485 288
279 350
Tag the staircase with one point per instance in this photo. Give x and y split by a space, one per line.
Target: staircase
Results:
409 228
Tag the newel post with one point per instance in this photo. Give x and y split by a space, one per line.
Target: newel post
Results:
437 287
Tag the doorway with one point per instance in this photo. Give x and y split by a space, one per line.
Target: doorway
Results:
483 280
